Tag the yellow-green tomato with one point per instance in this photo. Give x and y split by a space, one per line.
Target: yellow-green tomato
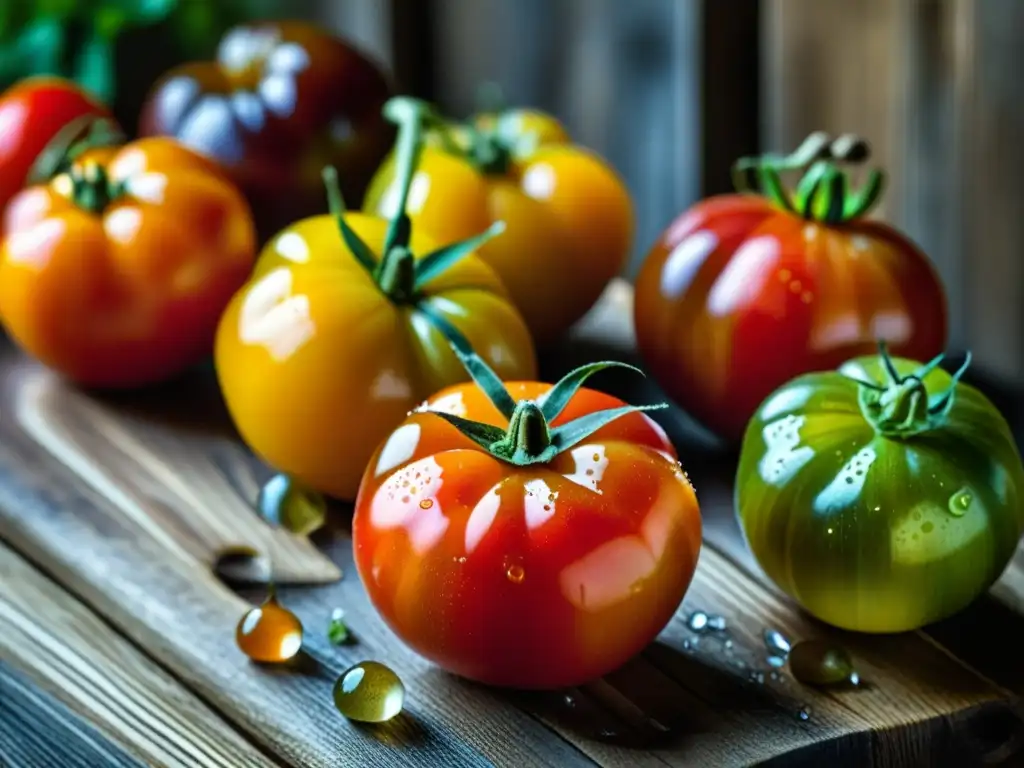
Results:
882 496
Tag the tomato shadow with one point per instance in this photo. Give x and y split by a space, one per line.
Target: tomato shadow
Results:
190 402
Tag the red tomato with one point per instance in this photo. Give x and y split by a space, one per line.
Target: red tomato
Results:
740 295
32 112
536 576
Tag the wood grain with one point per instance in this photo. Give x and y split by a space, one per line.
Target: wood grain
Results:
36 730
66 649
686 700
193 493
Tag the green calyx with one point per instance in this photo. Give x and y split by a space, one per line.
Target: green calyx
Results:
529 437
91 188
902 407
81 134
490 150
825 192
398 273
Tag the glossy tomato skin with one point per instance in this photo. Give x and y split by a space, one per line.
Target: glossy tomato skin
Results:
872 533
737 297
568 216
317 365
130 295
281 101
32 112
528 577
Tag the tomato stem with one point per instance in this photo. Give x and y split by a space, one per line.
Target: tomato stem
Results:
91 188
529 438
902 407
824 193
528 434
396 275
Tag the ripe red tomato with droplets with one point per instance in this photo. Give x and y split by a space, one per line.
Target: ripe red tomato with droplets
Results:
744 292
540 555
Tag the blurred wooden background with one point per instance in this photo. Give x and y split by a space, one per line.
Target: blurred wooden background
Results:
672 90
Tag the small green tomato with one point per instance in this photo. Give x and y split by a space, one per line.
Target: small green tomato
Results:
882 496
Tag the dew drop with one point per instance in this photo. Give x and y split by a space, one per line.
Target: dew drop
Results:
716 623
369 692
816 662
515 574
269 633
698 621
960 502
804 714
777 643
776 661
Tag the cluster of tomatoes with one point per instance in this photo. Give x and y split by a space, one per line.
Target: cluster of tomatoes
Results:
515 532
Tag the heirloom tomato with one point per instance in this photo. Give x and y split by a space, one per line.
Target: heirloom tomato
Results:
882 496
525 535
336 337
36 115
115 273
281 101
569 216
744 292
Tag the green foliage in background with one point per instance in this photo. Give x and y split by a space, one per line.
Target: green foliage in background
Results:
79 39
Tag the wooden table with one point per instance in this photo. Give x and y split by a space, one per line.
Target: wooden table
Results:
116 635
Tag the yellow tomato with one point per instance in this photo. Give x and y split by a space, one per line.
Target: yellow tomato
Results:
569 216
324 352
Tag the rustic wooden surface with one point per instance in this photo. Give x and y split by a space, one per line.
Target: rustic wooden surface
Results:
116 634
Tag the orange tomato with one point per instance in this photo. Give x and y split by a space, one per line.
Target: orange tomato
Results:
116 272
569 215
338 336
538 556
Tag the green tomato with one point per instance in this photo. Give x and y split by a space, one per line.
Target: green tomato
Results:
880 504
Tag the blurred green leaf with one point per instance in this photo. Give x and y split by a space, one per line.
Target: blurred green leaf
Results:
40 46
144 12
94 66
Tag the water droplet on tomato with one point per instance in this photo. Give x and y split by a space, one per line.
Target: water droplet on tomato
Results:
426 504
804 714
698 621
960 502
716 623
515 574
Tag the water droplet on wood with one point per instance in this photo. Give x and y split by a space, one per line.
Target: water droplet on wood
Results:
816 662
698 621
269 633
369 692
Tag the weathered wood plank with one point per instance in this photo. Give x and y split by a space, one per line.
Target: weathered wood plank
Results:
37 730
159 478
154 583
66 649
